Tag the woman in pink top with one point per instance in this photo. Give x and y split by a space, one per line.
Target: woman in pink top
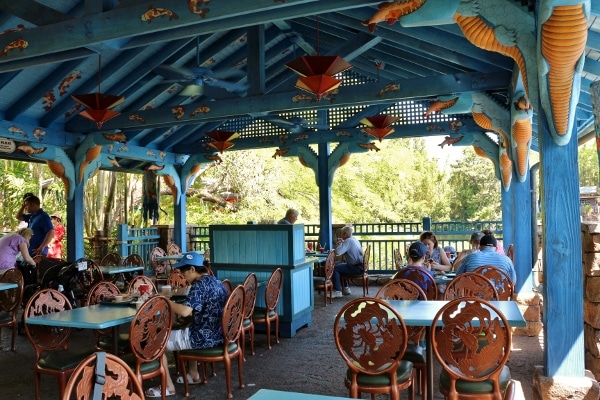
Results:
13 244
55 246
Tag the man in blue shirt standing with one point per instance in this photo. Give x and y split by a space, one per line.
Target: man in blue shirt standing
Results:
39 221
487 256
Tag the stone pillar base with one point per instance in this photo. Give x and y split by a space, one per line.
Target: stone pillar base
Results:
563 388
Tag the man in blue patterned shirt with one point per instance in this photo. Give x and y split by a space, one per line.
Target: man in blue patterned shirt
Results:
487 256
205 303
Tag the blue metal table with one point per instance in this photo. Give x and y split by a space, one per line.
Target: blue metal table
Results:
267 394
422 313
120 269
91 317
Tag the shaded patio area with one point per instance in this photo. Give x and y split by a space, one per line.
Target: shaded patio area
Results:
307 362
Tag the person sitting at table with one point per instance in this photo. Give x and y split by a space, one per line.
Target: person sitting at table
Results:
474 242
417 252
487 255
350 248
13 244
291 216
437 259
205 303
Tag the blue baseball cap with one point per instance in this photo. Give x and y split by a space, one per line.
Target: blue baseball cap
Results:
417 250
191 258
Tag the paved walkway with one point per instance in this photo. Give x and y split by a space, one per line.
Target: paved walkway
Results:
308 362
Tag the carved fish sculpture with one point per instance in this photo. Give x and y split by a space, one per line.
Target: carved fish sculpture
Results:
281 152
438 105
391 12
448 140
369 146
157 12
20 44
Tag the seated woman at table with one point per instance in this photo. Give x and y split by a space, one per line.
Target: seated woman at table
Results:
205 303
13 244
437 259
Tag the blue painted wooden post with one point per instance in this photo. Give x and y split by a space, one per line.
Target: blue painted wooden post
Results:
122 240
325 218
506 200
521 235
426 223
75 231
179 228
563 276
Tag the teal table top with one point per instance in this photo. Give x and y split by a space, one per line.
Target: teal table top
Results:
119 269
6 286
90 317
267 394
421 312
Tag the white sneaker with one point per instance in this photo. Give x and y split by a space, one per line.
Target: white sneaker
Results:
347 290
337 294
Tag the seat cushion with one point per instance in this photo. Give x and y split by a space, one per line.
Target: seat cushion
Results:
415 354
145 368
63 360
107 343
260 313
210 352
486 386
5 318
403 373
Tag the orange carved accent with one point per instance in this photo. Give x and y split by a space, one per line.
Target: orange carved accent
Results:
506 167
481 35
438 105
59 170
563 40
483 121
522 133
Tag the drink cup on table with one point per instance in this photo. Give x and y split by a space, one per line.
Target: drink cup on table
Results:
166 291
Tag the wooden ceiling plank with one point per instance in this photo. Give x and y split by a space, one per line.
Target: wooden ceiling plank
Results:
281 102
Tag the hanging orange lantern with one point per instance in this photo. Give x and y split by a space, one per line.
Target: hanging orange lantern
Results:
316 73
98 106
379 125
222 140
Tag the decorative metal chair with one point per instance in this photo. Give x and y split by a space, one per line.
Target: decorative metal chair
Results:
161 268
364 277
120 381
111 259
86 278
173 250
10 300
148 337
421 278
473 356
250 289
325 283
177 280
268 314
233 316
228 285
398 260
134 259
134 285
470 284
371 338
103 291
500 279
52 355
403 289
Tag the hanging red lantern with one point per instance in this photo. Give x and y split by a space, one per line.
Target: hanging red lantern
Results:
222 140
317 73
98 106
379 125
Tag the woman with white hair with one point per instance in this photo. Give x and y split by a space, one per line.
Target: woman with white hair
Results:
13 244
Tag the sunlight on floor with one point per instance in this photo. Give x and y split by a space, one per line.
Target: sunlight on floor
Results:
519 395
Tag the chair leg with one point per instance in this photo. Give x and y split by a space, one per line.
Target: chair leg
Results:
252 339
268 327
243 339
277 329
240 373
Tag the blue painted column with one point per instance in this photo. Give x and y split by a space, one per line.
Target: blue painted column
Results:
563 276
75 231
179 228
325 218
506 198
522 235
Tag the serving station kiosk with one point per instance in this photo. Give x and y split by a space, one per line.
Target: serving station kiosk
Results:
237 250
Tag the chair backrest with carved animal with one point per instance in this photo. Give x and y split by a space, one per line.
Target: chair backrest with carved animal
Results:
500 279
421 278
119 380
470 284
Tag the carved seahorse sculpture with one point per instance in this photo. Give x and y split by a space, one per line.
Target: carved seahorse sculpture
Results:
483 146
562 35
59 164
521 136
192 168
87 154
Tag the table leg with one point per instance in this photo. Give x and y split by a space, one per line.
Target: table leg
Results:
116 340
429 361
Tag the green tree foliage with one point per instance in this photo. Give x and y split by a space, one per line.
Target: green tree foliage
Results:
475 193
588 164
